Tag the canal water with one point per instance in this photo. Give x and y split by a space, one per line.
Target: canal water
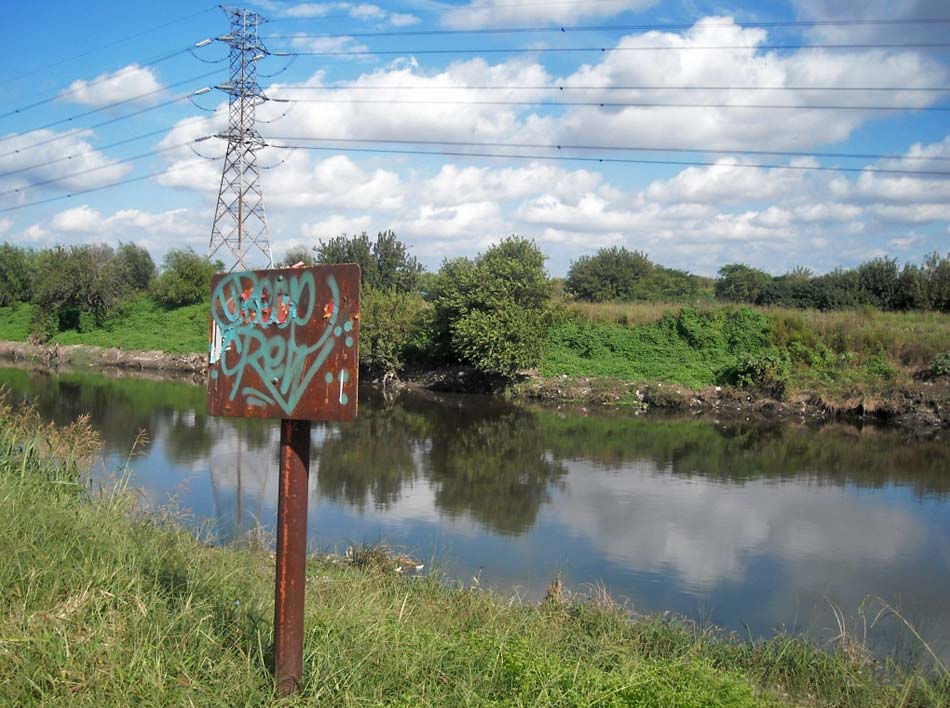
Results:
753 527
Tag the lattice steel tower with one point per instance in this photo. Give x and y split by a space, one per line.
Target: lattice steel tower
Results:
239 232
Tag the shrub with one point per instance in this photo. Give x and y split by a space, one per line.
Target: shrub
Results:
940 366
185 278
611 274
492 312
74 284
390 323
741 283
135 266
298 254
17 273
385 264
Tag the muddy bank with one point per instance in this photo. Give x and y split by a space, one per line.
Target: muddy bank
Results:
79 356
922 404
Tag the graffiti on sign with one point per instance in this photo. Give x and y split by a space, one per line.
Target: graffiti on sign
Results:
285 343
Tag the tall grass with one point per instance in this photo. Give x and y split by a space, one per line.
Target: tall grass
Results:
909 338
99 607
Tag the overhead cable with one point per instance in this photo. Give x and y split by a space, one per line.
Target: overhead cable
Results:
621 160
613 28
99 168
107 45
611 104
114 104
640 48
77 131
97 189
103 78
626 87
620 148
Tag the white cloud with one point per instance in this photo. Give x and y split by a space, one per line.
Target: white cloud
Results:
43 152
500 13
5 225
366 12
128 82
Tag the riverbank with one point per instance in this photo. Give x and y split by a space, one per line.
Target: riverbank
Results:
104 607
716 360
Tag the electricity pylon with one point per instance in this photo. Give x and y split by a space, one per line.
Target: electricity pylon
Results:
239 231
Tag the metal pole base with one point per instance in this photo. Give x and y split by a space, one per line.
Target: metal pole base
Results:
291 554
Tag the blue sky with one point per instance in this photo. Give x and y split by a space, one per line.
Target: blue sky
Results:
76 58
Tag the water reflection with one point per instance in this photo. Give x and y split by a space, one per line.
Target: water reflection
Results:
755 525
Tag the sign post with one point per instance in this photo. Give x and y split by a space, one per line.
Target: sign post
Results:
284 344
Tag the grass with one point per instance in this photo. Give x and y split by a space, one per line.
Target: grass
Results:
101 607
142 324
15 322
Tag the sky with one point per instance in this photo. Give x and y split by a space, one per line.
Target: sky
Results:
99 93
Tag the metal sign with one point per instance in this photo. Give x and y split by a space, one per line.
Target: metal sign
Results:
284 343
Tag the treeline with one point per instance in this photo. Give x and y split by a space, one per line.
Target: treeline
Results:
78 287
618 275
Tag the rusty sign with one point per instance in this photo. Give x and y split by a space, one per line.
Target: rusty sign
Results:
284 343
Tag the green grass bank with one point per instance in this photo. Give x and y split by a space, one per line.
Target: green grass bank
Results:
101 606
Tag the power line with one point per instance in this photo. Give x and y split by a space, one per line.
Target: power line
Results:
710 47
612 28
110 121
107 45
114 104
612 104
102 78
604 160
629 87
622 148
96 189
99 168
84 152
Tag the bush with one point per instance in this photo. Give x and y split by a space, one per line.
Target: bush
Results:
611 274
81 283
492 312
741 283
185 278
17 272
385 264
940 366
390 323
135 267
298 254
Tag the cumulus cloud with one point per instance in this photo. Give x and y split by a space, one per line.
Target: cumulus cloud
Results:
500 13
128 82
42 153
157 231
367 12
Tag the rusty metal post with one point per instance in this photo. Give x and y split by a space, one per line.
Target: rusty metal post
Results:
291 554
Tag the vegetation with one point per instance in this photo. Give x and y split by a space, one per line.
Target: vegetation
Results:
185 278
99 607
616 274
497 313
385 264
492 311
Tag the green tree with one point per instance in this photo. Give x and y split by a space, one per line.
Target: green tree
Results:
385 264
391 323
17 272
185 278
741 283
610 274
75 288
135 266
492 312
880 280
298 254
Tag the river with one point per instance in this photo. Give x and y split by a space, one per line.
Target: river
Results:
751 526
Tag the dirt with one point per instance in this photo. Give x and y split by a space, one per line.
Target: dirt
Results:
78 356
